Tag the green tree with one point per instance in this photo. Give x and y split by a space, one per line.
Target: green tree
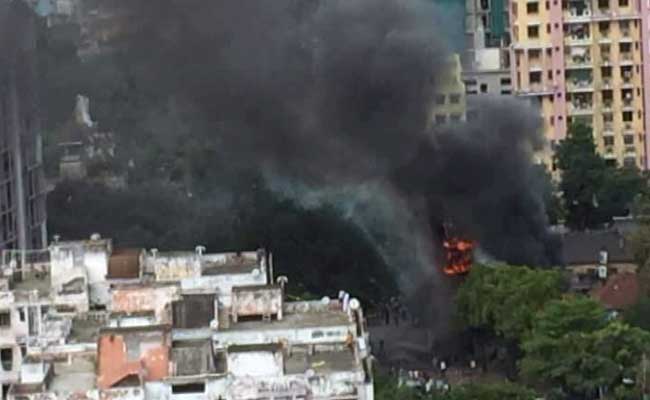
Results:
593 192
639 314
574 348
505 298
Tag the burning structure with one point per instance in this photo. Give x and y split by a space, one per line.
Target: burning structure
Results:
96 322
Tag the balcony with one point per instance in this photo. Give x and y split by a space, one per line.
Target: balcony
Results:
627 58
625 35
628 105
608 129
627 83
604 37
577 40
580 108
630 151
535 89
576 62
580 86
606 83
628 127
578 15
607 107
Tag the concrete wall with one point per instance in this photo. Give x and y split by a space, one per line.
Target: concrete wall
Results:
257 301
174 266
224 284
256 363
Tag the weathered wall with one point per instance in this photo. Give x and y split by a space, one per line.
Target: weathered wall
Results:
173 267
257 301
145 298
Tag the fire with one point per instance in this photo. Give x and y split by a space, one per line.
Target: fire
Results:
459 254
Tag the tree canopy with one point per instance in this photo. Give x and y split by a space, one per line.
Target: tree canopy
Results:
505 297
593 192
575 348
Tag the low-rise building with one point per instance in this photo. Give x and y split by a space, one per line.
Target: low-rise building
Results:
93 322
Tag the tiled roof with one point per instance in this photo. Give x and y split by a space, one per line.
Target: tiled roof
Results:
619 292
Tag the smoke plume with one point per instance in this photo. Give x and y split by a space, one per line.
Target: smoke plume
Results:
332 101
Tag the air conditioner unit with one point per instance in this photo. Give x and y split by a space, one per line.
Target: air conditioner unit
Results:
602 257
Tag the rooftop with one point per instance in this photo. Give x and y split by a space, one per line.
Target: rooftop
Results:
39 282
78 376
321 362
584 247
85 330
619 292
325 318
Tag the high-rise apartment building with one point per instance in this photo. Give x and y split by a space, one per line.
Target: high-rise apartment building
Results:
586 61
22 188
486 65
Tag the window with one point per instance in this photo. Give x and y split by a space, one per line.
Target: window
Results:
5 319
623 3
608 140
21 314
454 98
552 120
603 3
548 5
625 47
532 8
507 92
7 358
441 119
198 387
606 72
455 117
628 139
484 87
534 54
550 75
533 32
629 162
603 27
628 116
535 77
505 81
485 4
440 99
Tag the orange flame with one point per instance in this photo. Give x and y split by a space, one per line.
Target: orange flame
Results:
459 256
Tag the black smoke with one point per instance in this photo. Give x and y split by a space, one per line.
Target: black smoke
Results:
332 101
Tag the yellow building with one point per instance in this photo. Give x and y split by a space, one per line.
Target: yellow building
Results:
450 103
582 62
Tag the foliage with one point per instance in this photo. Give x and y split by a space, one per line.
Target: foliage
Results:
593 192
505 297
639 314
574 347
